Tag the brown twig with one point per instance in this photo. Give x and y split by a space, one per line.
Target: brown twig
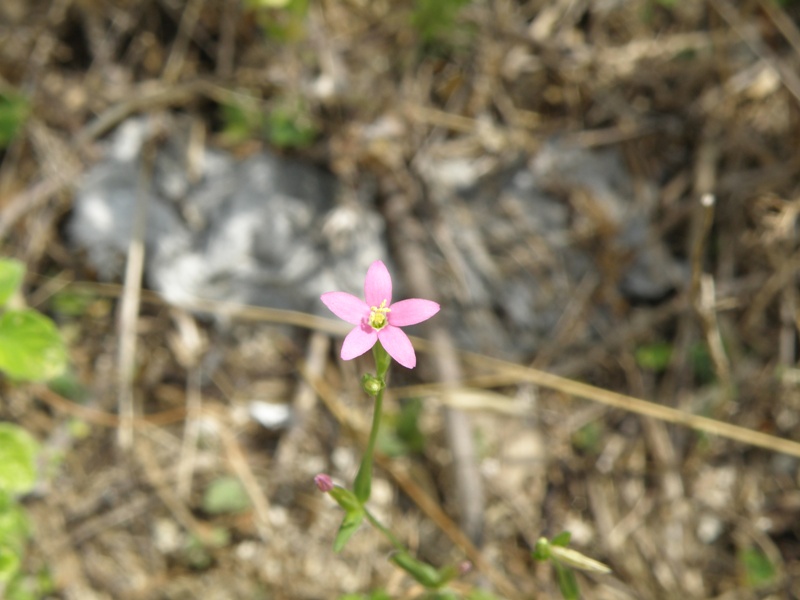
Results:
129 309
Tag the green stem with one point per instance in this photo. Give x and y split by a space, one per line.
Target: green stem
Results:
363 483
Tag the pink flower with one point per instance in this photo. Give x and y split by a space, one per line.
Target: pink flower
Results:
324 482
379 319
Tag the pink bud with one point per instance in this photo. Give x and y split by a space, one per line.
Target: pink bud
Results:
324 482
464 567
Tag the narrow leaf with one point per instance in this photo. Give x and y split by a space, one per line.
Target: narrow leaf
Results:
350 524
575 559
567 582
422 572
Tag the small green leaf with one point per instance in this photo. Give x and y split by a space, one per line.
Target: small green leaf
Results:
567 582
225 495
18 452
562 539
702 365
31 347
654 357
14 526
9 565
362 486
589 438
11 274
288 127
242 120
350 524
422 572
72 303
14 110
434 18
758 569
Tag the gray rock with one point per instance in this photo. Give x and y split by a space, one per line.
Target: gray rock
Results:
266 230
518 245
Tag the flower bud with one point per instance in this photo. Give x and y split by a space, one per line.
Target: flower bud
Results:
324 482
372 385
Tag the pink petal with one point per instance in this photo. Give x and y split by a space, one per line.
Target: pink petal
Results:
411 312
358 341
378 284
397 344
346 306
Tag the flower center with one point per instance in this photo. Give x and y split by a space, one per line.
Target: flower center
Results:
377 316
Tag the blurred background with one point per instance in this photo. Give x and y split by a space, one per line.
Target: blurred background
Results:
601 190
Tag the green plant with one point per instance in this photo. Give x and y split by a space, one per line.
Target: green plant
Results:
14 110
655 356
564 560
281 20
434 19
225 495
288 125
757 569
31 349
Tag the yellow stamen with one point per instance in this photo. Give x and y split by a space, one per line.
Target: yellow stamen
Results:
377 316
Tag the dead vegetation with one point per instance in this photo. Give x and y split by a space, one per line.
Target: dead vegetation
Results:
701 99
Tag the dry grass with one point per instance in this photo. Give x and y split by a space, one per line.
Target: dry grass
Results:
700 98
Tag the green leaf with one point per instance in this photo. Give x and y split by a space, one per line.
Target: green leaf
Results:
18 452
288 127
573 558
11 274
14 112
350 524
225 495
562 539
242 120
589 438
702 365
362 486
654 357
434 18
422 572
567 582
9 565
14 526
72 303
31 347
758 569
